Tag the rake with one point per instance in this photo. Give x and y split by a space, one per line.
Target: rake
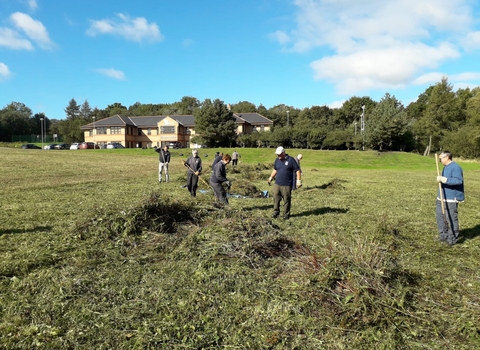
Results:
441 194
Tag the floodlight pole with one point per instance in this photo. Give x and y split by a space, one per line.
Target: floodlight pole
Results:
288 118
41 129
362 126
93 133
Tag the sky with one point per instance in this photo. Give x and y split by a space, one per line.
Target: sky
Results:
300 53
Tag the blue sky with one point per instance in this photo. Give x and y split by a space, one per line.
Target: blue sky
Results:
301 53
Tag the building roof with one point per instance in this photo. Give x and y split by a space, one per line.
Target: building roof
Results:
184 120
252 118
146 122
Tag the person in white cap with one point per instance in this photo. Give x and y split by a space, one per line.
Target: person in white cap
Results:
194 165
284 168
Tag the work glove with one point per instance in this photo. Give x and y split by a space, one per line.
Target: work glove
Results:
197 173
269 181
442 179
299 183
185 164
228 184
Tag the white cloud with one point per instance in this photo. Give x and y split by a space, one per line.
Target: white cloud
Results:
336 104
428 78
280 36
372 44
4 71
134 29
111 73
380 68
465 76
34 29
32 4
472 41
12 40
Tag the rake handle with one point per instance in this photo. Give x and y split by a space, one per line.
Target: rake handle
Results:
440 187
205 182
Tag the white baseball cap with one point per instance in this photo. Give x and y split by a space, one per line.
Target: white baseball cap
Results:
279 150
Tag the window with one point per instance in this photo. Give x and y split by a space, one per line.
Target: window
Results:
262 127
139 132
90 132
102 130
149 131
167 129
116 130
187 130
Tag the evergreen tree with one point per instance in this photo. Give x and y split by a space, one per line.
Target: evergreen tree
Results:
439 117
72 110
387 125
86 112
215 124
70 127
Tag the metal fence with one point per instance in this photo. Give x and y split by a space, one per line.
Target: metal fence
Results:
37 138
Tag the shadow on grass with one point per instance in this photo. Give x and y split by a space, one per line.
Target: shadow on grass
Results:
19 231
259 207
321 211
469 233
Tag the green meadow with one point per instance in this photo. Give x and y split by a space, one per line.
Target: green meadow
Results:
96 254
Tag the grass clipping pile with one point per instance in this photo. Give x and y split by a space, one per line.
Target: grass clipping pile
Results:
256 240
243 176
156 213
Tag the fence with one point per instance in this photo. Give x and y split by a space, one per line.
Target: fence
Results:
37 138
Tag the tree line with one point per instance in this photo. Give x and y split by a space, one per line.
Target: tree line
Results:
440 118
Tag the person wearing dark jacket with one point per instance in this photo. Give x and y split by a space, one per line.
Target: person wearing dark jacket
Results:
218 158
451 183
219 177
284 168
194 165
164 160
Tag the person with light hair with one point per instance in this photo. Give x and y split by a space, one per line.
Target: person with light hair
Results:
194 166
294 182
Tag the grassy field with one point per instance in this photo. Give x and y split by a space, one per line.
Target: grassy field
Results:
96 254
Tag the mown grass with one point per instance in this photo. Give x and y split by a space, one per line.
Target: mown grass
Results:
95 254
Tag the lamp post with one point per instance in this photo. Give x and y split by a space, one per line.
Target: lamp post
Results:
362 126
288 118
93 133
41 129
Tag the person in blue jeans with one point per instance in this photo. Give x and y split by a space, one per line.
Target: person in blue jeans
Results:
452 188
284 168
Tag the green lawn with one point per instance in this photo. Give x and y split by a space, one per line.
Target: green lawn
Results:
96 254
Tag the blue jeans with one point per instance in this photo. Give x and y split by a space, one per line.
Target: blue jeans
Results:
448 228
